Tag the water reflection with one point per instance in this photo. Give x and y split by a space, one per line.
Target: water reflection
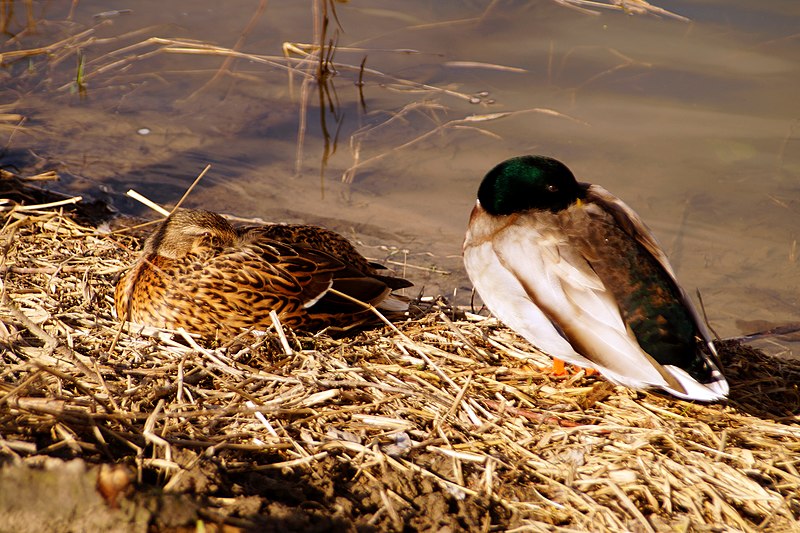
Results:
695 124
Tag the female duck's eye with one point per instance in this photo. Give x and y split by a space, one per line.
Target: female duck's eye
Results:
552 188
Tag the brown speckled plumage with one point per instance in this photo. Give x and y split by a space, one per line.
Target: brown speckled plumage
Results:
198 272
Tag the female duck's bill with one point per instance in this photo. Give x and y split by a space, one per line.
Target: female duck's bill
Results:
199 273
576 272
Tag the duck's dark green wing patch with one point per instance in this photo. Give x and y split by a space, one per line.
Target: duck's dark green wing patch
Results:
651 303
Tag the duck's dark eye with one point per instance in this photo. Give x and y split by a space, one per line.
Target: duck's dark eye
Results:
552 188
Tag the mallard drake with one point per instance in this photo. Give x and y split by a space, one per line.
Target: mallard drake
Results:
576 272
198 272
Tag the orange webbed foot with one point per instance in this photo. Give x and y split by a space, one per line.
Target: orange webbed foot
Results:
559 369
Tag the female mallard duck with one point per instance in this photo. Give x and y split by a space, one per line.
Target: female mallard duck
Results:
576 272
198 272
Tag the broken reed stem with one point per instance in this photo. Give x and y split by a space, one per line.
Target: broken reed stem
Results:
42 207
157 208
276 322
149 203
191 187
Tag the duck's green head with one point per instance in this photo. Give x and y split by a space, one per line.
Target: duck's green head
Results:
529 182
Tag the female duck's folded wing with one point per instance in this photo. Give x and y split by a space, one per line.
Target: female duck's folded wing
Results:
282 270
315 272
315 238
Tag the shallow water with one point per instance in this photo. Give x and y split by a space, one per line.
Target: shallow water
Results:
695 124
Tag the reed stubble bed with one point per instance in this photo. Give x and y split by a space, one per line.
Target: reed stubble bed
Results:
449 422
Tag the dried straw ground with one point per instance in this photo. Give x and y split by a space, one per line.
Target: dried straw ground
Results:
446 423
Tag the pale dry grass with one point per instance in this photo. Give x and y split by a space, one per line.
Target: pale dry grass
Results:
453 401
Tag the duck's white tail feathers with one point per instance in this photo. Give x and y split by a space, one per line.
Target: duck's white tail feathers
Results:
714 390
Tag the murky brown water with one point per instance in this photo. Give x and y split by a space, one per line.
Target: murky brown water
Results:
695 124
